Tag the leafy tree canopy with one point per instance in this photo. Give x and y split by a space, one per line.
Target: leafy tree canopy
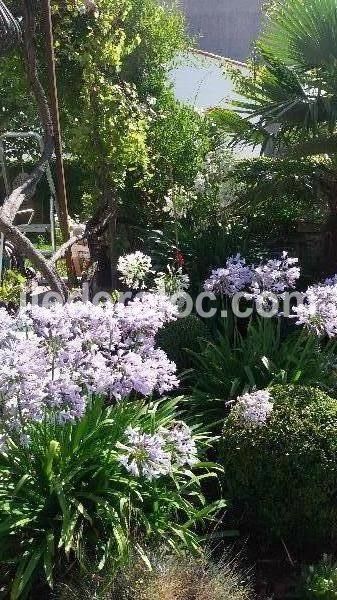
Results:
118 112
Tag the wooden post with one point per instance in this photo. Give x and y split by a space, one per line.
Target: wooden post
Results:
54 108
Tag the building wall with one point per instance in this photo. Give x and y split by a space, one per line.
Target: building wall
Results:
200 79
225 27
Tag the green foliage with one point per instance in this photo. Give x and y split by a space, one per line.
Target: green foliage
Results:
66 492
178 140
282 476
296 39
178 135
128 139
180 337
320 581
262 355
294 186
288 106
11 288
117 104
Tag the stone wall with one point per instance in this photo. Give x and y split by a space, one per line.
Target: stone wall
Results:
225 27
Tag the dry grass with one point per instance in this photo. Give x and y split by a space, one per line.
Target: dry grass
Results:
173 578
193 579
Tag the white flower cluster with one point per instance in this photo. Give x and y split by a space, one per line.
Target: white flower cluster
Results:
256 407
212 181
134 268
158 454
319 310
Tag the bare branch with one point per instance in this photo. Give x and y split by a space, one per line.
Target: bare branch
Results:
22 244
64 248
12 204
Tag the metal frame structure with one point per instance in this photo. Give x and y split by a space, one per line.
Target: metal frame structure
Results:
52 198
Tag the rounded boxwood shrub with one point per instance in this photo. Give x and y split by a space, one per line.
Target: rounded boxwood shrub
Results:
282 475
181 336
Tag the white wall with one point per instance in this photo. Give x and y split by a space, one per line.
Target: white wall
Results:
200 80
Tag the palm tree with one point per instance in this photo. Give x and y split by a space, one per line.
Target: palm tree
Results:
289 104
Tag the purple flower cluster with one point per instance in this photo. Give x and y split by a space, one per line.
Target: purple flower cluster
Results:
52 358
235 277
319 310
256 407
331 280
144 454
154 455
274 276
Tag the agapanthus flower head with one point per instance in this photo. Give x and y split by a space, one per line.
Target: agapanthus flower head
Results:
160 453
23 375
134 269
6 325
331 280
235 277
144 454
256 407
180 443
319 310
275 275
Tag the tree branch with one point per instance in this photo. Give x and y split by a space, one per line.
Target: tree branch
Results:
22 193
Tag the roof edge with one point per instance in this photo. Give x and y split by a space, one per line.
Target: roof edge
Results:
217 57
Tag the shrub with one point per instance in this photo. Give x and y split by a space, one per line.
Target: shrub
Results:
179 337
11 288
282 474
172 578
320 581
105 483
263 355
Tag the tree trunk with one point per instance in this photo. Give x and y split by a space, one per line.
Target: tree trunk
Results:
13 203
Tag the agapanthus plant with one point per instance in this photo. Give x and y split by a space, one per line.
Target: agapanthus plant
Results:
117 479
54 358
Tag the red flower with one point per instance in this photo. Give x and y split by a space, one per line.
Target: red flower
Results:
180 258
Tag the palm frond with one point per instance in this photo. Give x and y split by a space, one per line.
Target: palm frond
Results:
302 34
